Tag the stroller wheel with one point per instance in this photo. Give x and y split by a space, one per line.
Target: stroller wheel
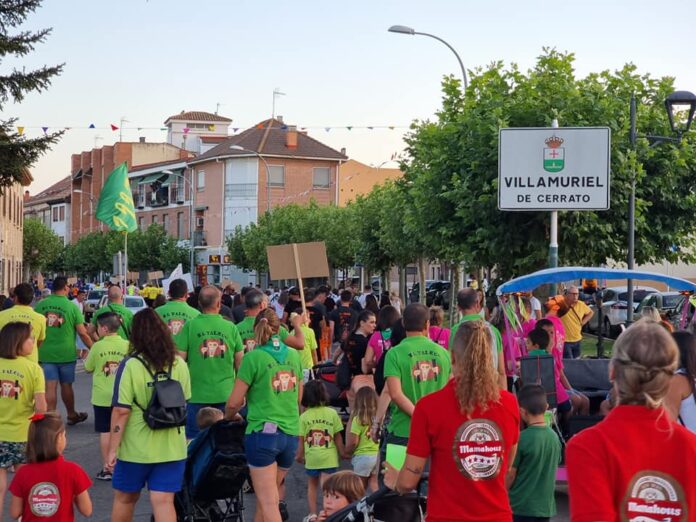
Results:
248 486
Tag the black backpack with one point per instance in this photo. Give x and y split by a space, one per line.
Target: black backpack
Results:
167 406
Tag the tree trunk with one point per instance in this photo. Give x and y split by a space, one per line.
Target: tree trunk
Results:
421 280
402 285
454 289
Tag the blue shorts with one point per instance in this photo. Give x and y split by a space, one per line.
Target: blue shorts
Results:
191 412
61 372
316 473
564 407
165 477
264 449
102 419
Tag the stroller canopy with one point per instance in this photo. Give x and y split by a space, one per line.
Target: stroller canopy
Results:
558 275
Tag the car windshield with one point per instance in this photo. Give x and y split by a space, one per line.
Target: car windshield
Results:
638 295
133 302
671 301
95 295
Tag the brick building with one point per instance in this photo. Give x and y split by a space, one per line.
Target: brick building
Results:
358 179
267 165
11 233
52 207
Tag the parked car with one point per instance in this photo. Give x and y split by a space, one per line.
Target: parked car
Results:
92 302
666 303
614 307
436 293
134 303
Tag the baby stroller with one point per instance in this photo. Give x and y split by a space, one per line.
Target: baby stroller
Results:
326 372
383 506
216 470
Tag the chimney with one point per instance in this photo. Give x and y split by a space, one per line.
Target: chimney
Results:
291 137
141 139
26 195
279 118
343 151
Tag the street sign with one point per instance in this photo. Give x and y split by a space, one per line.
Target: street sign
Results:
554 168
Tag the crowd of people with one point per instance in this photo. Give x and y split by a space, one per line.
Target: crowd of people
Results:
450 401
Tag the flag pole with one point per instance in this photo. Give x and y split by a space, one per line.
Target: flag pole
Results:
125 260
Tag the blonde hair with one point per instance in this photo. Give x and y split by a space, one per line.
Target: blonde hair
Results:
365 405
650 312
345 483
645 358
476 380
266 326
208 416
437 315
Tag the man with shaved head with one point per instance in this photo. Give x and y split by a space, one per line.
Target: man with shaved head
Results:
115 305
578 316
213 350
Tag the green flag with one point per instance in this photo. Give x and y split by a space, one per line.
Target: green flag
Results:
115 207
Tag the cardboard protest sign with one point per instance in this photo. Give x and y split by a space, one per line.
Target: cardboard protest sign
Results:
72 280
228 282
153 276
133 276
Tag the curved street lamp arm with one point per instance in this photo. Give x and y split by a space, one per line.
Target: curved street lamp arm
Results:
461 64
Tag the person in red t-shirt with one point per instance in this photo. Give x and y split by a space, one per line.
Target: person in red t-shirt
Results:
469 429
637 464
46 488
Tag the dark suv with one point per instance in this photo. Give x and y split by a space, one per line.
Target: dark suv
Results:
436 293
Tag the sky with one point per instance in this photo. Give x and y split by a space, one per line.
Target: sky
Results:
145 60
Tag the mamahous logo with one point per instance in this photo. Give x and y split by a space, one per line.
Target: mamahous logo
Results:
653 496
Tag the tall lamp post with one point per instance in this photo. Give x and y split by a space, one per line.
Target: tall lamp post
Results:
680 107
402 29
192 194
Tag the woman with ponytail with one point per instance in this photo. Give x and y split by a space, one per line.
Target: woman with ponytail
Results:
637 464
270 379
469 430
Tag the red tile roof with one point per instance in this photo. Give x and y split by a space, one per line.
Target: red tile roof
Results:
197 116
146 166
56 192
268 138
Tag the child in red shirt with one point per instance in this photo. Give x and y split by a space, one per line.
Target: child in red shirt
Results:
469 430
46 488
637 464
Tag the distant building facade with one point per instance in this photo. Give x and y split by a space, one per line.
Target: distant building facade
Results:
11 233
52 208
358 179
188 129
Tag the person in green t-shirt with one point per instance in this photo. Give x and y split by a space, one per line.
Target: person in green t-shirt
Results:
58 353
270 379
320 445
413 369
469 308
22 312
308 356
115 305
532 476
103 361
138 454
256 301
176 312
213 350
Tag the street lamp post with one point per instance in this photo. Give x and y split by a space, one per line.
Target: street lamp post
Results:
268 172
402 29
91 209
192 193
683 102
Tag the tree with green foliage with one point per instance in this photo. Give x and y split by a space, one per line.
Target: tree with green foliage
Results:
40 246
452 169
16 150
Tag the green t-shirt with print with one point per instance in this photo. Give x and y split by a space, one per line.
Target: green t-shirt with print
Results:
496 338
62 317
210 343
423 367
310 345
175 314
139 443
537 458
246 332
366 446
273 390
103 360
125 314
20 380
318 427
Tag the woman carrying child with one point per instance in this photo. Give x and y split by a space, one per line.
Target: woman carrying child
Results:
637 464
49 485
24 393
365 451
270 379
321 439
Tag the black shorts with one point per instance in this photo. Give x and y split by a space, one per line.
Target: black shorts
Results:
102 419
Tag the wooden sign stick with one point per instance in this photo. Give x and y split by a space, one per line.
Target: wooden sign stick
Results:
299 276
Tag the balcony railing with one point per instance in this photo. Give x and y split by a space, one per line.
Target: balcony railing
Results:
199 238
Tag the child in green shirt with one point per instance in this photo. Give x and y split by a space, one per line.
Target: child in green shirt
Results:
308 355
365 451
321 442
532 477
103 361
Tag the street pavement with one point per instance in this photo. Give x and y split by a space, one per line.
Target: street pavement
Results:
83 448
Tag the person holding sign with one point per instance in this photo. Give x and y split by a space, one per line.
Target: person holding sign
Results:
469 430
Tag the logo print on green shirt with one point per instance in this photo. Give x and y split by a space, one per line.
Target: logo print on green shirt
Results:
425 371
284 381
213 348
175 325
54 319
110 368
318 438
10 390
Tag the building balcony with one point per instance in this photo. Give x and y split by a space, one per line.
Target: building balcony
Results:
199 238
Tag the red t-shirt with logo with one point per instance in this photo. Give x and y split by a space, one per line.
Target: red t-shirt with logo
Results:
48 489
637 464
469 455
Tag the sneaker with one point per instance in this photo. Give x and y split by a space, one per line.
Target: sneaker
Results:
104 475
283 508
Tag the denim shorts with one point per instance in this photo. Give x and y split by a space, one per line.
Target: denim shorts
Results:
364 465
264 449
61 372
165 477
12 453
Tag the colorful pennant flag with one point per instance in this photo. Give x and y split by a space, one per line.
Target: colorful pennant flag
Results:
91 126
44 129
115 207
186 130
114 127
20 130
349 128
211 127
235 129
